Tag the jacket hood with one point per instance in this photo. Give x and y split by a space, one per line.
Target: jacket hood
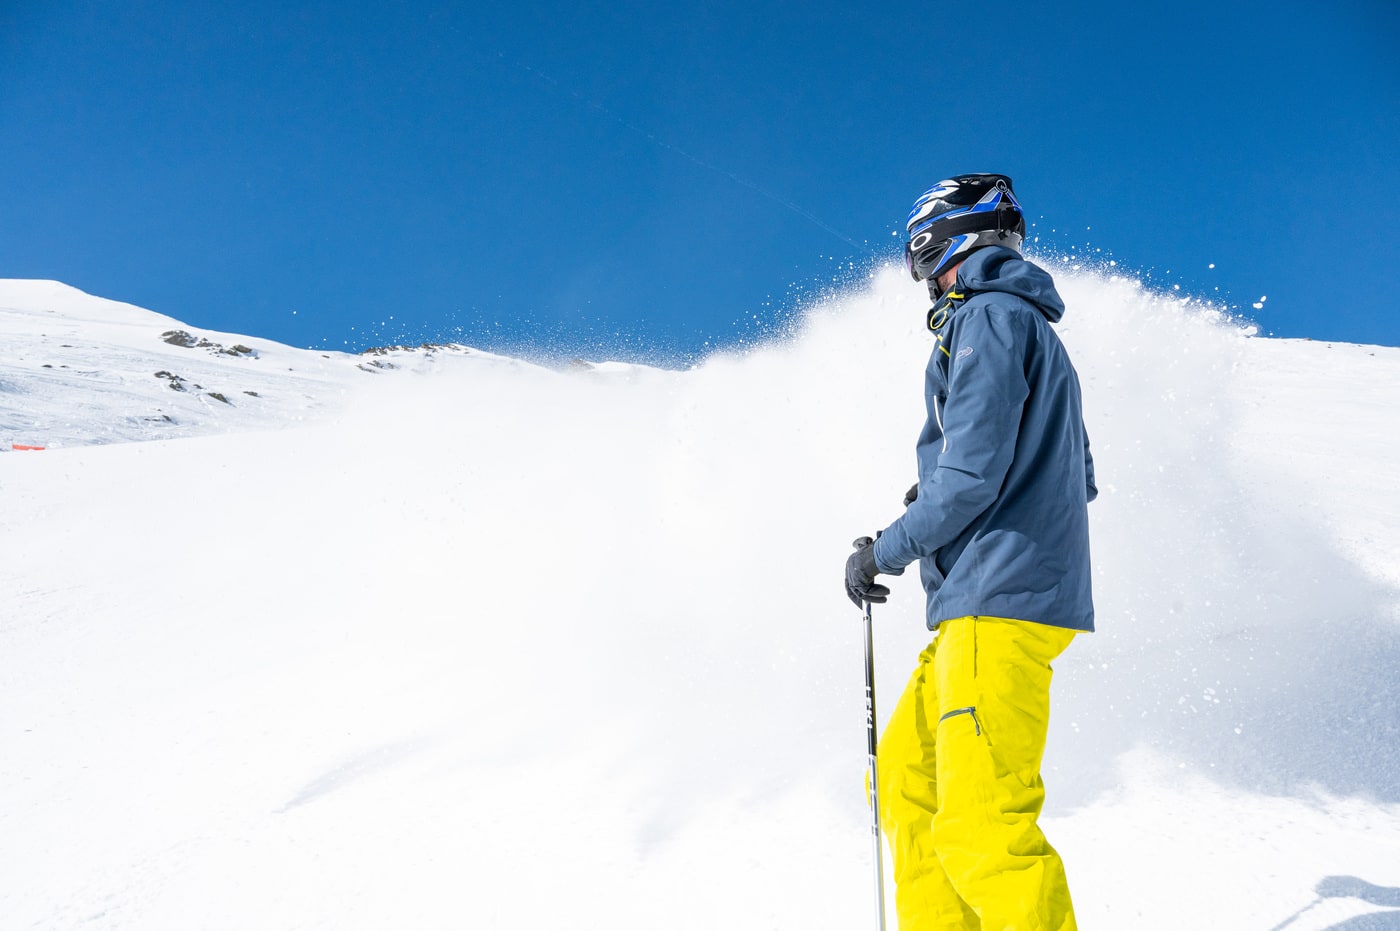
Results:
997 268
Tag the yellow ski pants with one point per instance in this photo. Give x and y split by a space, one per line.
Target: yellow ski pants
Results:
960 787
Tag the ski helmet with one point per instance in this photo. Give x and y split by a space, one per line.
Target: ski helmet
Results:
958 215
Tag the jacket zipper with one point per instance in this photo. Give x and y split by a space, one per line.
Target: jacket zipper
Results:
938 416
969 710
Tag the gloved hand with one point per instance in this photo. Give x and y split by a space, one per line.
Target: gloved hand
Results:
911 495
860 575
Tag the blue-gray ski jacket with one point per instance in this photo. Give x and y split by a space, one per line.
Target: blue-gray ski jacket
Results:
1001 523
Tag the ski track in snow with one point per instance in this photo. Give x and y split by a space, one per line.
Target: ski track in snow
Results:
404 644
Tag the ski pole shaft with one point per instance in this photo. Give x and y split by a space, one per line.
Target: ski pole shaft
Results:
874 770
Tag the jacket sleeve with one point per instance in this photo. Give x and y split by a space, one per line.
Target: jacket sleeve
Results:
981 416
1091 489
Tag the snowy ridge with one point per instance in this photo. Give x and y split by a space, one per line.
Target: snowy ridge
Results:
80 370
494 629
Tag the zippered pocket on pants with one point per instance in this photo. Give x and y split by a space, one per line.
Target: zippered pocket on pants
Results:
970 710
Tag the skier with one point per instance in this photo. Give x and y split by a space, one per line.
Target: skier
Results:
999 524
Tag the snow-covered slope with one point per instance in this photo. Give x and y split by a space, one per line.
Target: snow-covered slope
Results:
487 645
78 370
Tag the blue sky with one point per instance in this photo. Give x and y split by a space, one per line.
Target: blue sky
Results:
643 180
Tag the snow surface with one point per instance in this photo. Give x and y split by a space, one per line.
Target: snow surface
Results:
472 643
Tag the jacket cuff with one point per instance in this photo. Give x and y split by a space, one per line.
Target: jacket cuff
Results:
881 564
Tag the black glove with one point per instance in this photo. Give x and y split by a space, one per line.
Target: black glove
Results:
860 575
911 495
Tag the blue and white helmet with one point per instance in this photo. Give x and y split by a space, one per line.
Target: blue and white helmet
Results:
958 215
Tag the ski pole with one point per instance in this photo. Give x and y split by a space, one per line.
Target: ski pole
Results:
874 772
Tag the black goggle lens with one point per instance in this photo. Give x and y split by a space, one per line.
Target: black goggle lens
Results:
927 255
